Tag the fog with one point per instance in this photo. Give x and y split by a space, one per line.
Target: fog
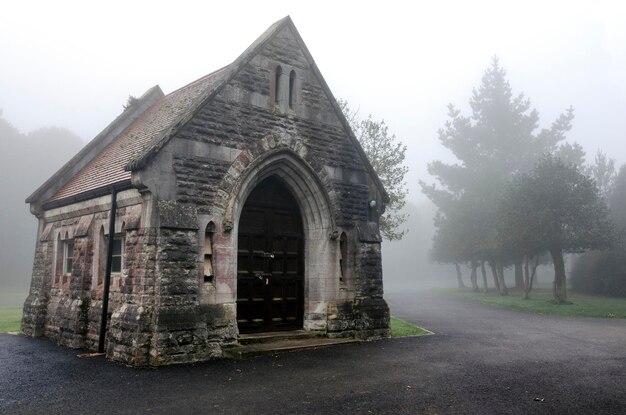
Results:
406 264
73 64
27 161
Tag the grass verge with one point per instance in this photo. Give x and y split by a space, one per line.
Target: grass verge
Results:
401 328
10 318
582 305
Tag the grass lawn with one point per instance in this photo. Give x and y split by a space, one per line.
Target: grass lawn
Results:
582 305
10 318
401 328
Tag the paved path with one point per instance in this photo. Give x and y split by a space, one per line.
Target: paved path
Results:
481 360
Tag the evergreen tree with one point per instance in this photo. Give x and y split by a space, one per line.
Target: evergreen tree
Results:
554 208
603 172
499 139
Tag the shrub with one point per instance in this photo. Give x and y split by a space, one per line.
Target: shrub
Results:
600 272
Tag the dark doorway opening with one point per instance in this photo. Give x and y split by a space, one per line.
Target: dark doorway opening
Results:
270 261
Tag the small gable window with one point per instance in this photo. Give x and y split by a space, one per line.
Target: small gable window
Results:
279 73
292 92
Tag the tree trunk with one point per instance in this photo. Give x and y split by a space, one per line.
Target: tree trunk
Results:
502 284
473 277
533 274
519 278
459 276
526 277
482 268
559 290
494 273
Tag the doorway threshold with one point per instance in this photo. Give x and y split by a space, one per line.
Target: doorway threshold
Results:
258 344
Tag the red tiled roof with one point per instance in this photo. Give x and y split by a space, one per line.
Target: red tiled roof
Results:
107 167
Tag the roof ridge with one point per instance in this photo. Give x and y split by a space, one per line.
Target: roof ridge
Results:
202 78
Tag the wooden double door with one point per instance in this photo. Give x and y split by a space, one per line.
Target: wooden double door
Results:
270 261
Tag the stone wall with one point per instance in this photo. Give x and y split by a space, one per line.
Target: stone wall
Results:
130 331
184 329
36 304
67 309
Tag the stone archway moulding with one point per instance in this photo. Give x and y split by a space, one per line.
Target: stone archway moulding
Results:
283 157
320 258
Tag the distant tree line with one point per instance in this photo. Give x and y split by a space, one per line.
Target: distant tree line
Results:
604 272
26 160
518 194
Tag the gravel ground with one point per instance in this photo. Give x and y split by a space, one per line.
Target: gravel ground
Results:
480 360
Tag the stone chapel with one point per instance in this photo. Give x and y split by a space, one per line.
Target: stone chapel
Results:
239 203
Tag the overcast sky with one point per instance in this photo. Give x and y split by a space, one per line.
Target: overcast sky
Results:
74 64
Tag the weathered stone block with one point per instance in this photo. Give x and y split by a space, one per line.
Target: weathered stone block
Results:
173 215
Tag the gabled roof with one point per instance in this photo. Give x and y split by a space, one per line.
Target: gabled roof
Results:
107 167
152 122
95 146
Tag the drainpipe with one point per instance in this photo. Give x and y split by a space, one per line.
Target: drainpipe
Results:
107 274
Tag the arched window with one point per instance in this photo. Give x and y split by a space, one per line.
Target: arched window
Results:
292 92
117 255
209 273
279 73
343 256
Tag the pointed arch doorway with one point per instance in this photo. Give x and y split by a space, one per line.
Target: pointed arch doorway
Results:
270 260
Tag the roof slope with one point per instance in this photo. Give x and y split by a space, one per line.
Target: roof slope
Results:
107 167
133 148
95 146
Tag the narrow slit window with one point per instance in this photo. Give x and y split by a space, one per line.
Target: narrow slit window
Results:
343 256
292 84
209 272
279 73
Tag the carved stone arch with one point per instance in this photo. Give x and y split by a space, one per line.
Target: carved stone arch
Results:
270 151
300 179
307 188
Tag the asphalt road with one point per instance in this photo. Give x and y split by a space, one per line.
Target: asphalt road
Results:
480 360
